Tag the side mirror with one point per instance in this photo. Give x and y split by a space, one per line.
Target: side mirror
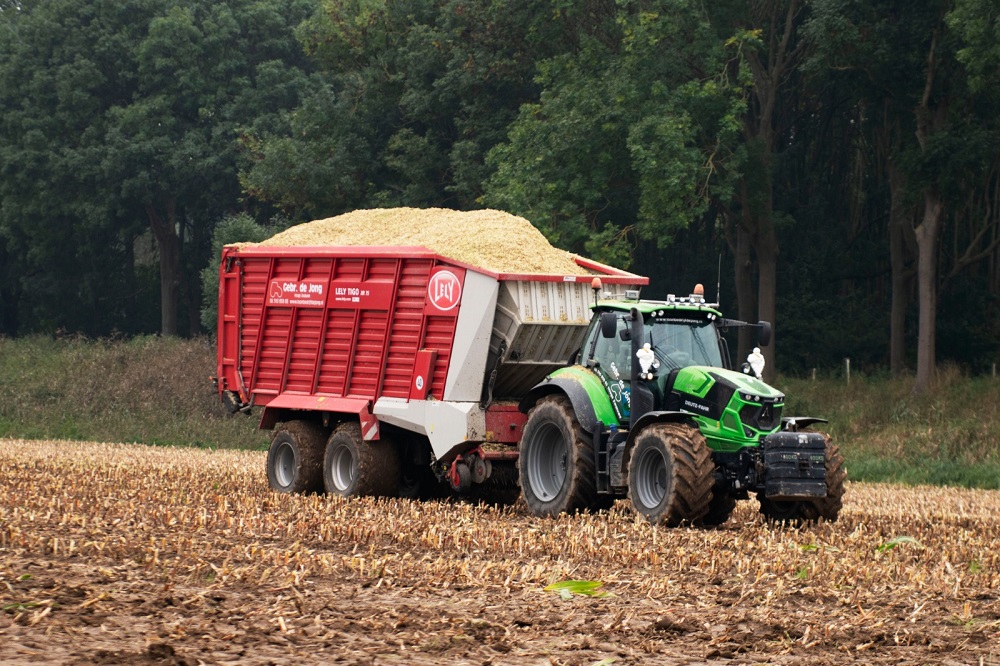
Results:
763 333
609 324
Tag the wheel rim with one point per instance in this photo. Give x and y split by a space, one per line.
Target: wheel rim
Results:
547 462
650 477
284 464
342 468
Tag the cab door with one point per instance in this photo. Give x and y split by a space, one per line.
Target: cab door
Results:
612 363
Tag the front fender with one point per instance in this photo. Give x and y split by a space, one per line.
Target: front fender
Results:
585 392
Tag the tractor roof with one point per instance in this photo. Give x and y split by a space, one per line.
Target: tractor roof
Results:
674 305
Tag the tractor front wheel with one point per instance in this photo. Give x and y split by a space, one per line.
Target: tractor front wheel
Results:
804 511
670 476
557 469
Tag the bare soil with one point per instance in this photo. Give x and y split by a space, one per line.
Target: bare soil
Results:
113 554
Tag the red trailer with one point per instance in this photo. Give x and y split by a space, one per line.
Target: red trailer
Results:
377 365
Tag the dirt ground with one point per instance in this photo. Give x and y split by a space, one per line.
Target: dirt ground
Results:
114 554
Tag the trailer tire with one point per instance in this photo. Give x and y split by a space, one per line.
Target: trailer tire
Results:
295 458
670 475
804 511
556 465
354 467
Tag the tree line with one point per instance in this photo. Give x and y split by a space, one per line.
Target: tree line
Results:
837 158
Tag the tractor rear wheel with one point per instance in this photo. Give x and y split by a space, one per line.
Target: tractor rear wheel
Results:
355 467
295 458
556 465
803 511
670 475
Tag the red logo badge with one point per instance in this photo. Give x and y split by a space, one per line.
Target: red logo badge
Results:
444 290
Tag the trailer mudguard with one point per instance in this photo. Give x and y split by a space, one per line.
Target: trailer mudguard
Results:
590 401
283 407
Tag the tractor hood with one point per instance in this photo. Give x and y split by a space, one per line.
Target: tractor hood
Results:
698 380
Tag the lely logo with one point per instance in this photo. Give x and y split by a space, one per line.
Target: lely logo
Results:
444 290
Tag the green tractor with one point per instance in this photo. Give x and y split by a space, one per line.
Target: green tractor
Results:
649 407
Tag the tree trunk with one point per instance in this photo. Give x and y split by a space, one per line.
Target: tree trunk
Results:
778 21
746 305
767 288
927 238
929 121
900 256
168 245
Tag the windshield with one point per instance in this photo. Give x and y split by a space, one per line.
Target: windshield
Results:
682 342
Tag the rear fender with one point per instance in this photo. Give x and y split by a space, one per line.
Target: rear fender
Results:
591 403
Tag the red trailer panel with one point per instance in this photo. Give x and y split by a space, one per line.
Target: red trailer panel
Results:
343 322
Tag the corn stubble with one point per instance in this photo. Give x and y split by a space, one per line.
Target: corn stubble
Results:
206 521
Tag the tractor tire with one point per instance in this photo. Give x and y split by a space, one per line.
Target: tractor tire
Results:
354 467
295 458
796 512
670 475
556 465
719 510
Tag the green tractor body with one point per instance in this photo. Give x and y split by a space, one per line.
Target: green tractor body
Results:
650 408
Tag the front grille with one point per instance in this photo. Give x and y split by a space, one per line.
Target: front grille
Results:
764 416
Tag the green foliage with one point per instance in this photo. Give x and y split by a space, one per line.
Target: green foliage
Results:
148 389
977 22
567 588
629 139
409 98
888 434
121 117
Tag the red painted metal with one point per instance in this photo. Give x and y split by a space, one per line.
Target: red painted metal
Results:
422 373
309 328
504 423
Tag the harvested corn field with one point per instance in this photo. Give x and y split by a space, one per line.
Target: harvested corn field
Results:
127 554
490 239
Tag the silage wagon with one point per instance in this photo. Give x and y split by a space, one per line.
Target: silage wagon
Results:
380 368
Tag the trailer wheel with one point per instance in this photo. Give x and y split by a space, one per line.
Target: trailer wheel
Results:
556 464
803 511
670 475
295 458
354 467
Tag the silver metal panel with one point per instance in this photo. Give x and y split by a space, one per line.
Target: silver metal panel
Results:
451 427
472 338
537 328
